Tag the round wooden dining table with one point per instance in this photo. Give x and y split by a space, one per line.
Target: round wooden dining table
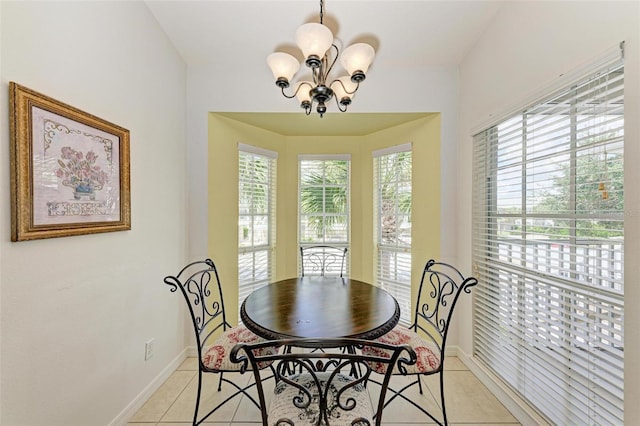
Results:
317 307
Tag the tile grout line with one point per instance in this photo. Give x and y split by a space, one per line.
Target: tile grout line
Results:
195 377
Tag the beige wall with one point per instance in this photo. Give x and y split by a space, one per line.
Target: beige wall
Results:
288 195
426 185
224 136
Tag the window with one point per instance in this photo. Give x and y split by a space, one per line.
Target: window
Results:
549 250
324 200
256 221
392 210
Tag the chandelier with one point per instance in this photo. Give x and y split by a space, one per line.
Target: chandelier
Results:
320 53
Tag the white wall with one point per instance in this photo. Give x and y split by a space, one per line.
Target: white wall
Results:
529 46
76 311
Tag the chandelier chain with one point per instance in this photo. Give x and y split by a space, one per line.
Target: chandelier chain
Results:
321 11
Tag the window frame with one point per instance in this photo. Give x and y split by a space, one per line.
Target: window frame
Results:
346 243
551 330
261 270
396 277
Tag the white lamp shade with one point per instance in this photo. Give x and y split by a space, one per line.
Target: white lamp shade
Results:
314 39
340 92
283 65
357 57
303 93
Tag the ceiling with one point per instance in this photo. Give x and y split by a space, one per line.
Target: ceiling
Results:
404 33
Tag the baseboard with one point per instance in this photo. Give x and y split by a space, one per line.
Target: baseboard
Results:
133 407
192 351
522 411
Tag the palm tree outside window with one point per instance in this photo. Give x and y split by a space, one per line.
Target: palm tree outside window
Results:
256 218
324 200
392 209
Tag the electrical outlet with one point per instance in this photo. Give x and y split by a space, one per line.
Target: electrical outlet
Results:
148 349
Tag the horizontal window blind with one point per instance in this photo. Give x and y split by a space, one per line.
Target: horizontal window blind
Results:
548 250
256 221
392 198
324 201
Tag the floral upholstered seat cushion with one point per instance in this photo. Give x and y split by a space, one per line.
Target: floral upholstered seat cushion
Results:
427 352
285 396
216 356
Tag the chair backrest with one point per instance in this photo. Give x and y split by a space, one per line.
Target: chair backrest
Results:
322 260
200 286
323 387
440 288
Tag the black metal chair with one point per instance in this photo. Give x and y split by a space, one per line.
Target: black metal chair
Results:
440 287
322 260
317 388
200 286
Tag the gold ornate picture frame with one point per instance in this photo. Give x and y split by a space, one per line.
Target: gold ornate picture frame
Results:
69 169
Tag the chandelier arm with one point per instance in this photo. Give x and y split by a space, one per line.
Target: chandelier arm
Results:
337 80
341 105
335 58
297 90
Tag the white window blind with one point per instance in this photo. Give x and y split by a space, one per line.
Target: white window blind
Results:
392 207
324 201
548 250
256 218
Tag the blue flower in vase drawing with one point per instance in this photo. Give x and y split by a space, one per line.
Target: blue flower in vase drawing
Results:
80 172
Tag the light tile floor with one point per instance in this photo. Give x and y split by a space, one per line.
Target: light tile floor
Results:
469 402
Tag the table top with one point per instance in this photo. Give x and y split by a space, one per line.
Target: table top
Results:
319 307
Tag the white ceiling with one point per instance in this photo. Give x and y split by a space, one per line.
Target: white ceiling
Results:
241 33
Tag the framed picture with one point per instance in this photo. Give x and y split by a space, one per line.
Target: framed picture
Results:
69 169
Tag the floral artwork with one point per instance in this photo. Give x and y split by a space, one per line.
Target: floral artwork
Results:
71 170
76 171
80 172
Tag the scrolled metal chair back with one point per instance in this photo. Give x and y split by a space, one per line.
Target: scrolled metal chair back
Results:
322 260
200 286
440 288
328 386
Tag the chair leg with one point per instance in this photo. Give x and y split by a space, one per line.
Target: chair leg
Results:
286 367
356 371
239 390
399 393
444 409
220 382
195 413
